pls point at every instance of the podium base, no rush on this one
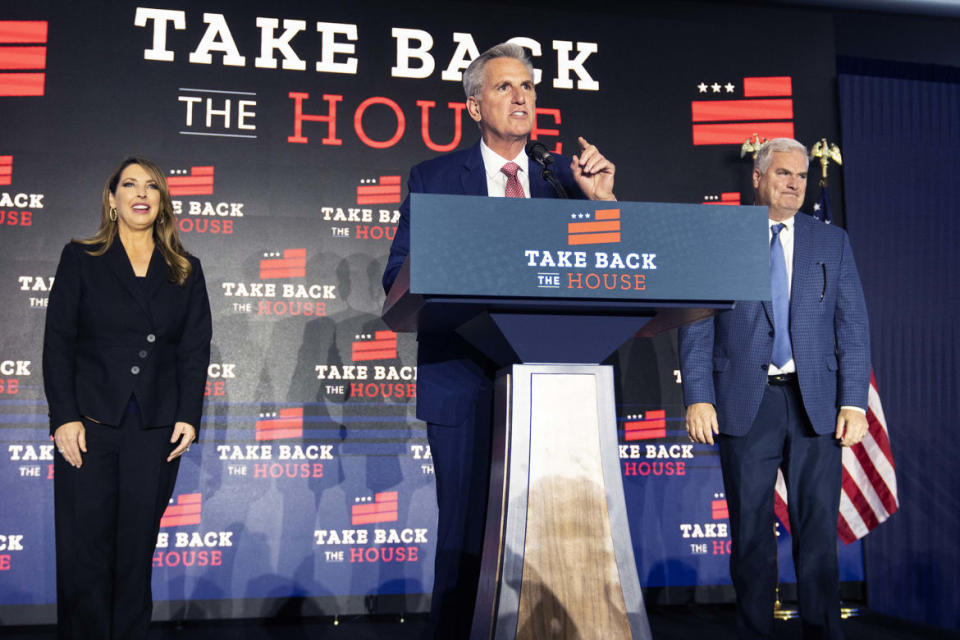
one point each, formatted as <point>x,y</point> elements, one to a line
<point>557,561</point>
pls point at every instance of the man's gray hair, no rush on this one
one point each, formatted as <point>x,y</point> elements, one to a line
<point>788,145</point>
<point>473,75</point>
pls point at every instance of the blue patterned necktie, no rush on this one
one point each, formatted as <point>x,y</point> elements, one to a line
<point>780,288</point>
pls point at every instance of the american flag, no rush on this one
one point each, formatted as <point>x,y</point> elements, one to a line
<point>869,494</point>
<point>821,209</point>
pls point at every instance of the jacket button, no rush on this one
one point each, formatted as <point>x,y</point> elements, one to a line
<point>764,366</point>
<point>151,337</point>
<point>143,353</point>
<point>134,370</point>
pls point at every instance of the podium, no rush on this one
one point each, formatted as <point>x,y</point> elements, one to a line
<point>547,289</point>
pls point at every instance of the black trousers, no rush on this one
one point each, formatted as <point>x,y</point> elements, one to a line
<point>782,435</point>
<point>107,517</point>
<point>461,461</point>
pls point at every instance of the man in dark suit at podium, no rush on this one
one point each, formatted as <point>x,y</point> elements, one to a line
<point>784,384</point>
<point>454,382</point>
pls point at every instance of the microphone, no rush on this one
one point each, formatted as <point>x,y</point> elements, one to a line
<point>539,154</point>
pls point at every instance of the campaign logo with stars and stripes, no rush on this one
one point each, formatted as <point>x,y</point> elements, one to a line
<point>649,425</point>
<point>727,198</point>
<point>6,170</point>
<point>290,263</point>
<point>383,508</point>
<point>23,57</point>
<point>385,190</point>
<point>765,109</point>
<point>196,182</point>
<point>381,345</point>
<point>279,425</point>
<point>718,507</point>
<point>187,510</point>
<point>600,227</point>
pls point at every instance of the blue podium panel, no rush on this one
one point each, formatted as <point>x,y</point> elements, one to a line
<point>507,247</point>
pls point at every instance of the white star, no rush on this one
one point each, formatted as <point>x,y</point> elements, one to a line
<point>715,87</point>
<point>702,87</point>
<point>816,206</point>
<point>729,87</point>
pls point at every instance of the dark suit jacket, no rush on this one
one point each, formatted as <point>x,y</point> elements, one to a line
<point>448,378</point>
<point>724,359</point>
<point>110,335</point>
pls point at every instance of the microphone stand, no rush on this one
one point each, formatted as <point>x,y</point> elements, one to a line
<point>547,175</point>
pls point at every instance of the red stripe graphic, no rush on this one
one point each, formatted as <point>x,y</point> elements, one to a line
<point>23,31</point>
<point>384,508</point>
<point>288,423</point>
<point>726,198</point>
<point>736,133</point>
<point>23,57</point>
<point>382,346</point>
<point>387,191</point>
<point>198,183</point>
<point>187,511</point>
<point>602,229</point>
<point>765,87</point>
<point>719,509</point>
<point>21,84</point>
<point>653,425</point>
<point>293,264</point>
<point>712,111</point>
<point>6,170</point>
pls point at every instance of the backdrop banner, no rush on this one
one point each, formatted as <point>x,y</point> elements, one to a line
<point>287,130</point>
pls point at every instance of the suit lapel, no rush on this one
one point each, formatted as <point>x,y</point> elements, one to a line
<point>802,256</point>
<point>473,178</point>
<point>156,274</point>
<point>121,268</point>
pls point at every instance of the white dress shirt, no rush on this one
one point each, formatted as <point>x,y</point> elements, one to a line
<point>496,179</point>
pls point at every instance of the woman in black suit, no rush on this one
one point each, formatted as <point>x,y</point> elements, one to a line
<point>125,354</point>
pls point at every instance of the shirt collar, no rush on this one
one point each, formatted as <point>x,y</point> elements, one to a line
<point>788,223</point>
<point>493,161</point>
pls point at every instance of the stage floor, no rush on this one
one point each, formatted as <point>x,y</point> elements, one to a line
<point>667,623</point>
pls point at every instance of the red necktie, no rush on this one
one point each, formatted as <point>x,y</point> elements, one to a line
<point>514,188</point>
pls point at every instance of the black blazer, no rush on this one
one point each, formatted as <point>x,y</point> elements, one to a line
<point>110,335</point>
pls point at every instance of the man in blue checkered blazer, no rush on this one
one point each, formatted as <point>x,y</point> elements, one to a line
<point>787,399</point>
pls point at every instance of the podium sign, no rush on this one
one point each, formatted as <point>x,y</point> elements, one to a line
<point>581,249</point>
<point>557,285</point>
